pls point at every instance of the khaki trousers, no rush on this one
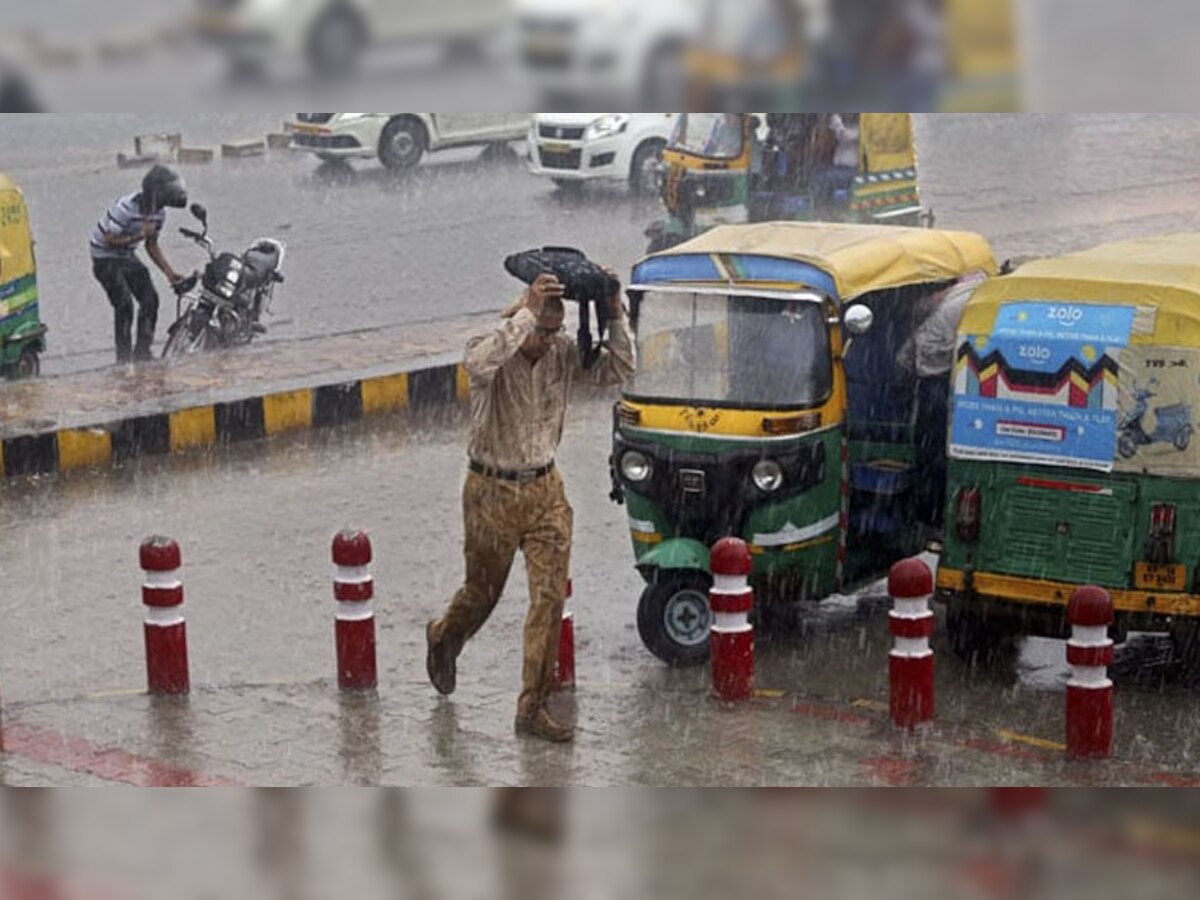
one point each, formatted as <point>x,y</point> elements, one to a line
<point>499,518</point>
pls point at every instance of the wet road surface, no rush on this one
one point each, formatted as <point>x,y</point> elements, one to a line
<point>255,523</point>
<point>367,248</point>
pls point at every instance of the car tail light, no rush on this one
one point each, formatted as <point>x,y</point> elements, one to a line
<point>967,514</point>
<point>1160,542</point>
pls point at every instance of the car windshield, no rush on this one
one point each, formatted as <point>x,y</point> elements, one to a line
<point>716,135</point>
<point>732,351</point>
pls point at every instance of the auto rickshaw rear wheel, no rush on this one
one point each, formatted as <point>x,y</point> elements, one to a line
<point>1185,641</point>
<point>673,617</point>
<point>28,364</point>
<point>976,638</point>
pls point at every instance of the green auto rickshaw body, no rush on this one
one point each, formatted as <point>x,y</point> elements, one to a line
<point>749,414</point>
<point>1072,455</point>
<point>22,334</point>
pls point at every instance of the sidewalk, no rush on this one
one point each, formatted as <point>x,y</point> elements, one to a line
<point>111,415</point>
<point>633,735</point>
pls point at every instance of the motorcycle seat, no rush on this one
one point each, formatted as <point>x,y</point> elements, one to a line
<point>260,261</point>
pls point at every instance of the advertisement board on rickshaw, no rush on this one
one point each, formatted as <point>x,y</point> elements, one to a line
<point>22,335</point>
<point>1072,451</point>
<point>731,168</point>
<point>769,403</point>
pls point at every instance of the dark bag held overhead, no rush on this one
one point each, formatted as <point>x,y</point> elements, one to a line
<point>584,283</point>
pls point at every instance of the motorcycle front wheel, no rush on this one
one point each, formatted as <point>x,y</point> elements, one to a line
<point>188,338</point>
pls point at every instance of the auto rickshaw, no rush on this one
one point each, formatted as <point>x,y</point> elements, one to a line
<point>22,335</point>
<point>943,56</point>
<point>730,168</point>
<point>768,403</point>
<point>1071,451</point>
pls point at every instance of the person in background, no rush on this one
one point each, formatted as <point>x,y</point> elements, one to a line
<point>132,220</point>
<point>929,355</point>
<point>839,174</point>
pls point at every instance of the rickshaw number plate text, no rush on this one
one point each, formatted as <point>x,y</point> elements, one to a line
<point>1151,576</point>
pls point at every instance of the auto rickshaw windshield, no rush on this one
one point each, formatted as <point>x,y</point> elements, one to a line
<point>715,135</point>
<point>732,351</point>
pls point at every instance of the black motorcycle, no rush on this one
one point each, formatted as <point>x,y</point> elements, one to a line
<point>234,291</point>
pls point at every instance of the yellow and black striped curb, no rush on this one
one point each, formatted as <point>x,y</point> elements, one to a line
<point>324,406</point>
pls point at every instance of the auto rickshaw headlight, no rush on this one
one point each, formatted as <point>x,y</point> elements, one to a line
<point>767,475</point>
<point>635,466</point>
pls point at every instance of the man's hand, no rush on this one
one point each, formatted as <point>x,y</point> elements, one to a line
<point>616,310</point>
<point>544,287</point>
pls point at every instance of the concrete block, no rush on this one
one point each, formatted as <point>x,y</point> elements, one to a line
<point>243,149</point>
<point>125,161</point>
<point>279,141</point>
<point>194,156</point>
<point>164,145</point>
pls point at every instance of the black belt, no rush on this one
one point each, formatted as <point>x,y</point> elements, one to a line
<point>509,474</point>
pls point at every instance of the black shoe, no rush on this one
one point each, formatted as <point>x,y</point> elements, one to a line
<point>440,663</point>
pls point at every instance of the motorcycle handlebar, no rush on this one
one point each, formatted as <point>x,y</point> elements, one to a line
<point>193,235</point>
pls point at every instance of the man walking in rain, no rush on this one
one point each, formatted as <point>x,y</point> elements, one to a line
<point>513,498</point>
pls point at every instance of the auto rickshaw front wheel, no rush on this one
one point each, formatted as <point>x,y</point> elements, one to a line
<point>673,617</point>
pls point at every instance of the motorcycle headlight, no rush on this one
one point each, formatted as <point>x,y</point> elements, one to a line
<point>607,125</point>
<point>233,277</point>
<point>767,475</point>
<point>635,466</point>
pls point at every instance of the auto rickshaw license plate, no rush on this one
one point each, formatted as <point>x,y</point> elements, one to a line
<point>1157,577</point>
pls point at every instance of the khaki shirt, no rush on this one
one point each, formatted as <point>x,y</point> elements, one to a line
<point>517,407</point>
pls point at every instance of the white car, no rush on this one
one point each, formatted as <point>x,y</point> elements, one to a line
<point>331,35</point>
<point>572,148</point>
<point>592,51</point>
<point>399,140</point>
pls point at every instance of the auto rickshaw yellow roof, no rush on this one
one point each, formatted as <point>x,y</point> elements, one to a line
<point>859,258</point>
<point>6,183</point>
<point>1162,272</point>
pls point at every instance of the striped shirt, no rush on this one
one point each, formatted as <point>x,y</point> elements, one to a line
<point>123,219</point>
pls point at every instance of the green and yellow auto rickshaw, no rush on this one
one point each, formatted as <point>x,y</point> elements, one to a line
<point>769,403</point>
<point>1073,457</point>
<point>731,168</point>
<point>22,335</point>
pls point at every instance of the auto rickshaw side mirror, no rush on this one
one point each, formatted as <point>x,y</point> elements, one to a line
<point>858,319</point>
<point>200,213</point>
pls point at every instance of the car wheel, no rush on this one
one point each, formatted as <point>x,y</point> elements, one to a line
<point>336,42</point>
<point>643,172</point>
<point>403,143</point>
<point>673,617</point>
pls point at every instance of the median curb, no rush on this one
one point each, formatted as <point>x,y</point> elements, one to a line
<point>110,416</point>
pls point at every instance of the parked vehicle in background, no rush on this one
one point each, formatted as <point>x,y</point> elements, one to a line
<point>399,140</point>
<point>572,148</point>
<point>577,53</point>
<point>332,35</point>
<point>22,334</point>
<point>223,306</point>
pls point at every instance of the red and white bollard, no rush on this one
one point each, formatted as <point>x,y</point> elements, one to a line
<point>731,639</point>
<point>354,590</point>
<point>164,626</point>
<point>564,668</point>
<point>1089,690</point>
<point>910,662</point>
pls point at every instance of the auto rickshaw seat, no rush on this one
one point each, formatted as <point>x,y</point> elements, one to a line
<point>887,477</point>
